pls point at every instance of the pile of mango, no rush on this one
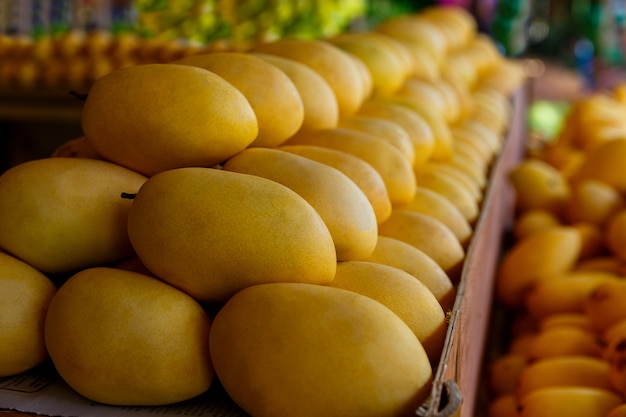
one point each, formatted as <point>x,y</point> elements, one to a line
<point>289,221</point>
<point>561,283</point>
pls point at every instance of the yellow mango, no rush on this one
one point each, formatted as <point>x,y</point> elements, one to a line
<point>63,214</point>
<point>434,204</point>
<point>336,66</point>
<point>342,205</point>
<point>167,116</point>
<point>363,174</point>
<point>271,93</point>
<point>409,298</point>
<point>402,255</point>
<point>317,351</point>
<point>123,338</point>
<point>430,236</point>
<point>540,255</point>
<point>321,110</point>
<point>24,297</point>
<point>396,171</point>
<point>212,232</point>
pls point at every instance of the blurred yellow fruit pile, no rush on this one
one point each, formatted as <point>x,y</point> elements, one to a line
<point>562,280</point>
<point>291,220</point>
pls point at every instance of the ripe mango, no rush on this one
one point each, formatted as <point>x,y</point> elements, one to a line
<point>406,296</point>
<point>212,232</point>
<point>123,338</point>
<point>271,93</point>
<point>288,349</point>
<point>64,214</point>
<point>429,235</point>
<point>363,174</point>
<point>390,163</point>
<point>24,297</point>
<point>343,206</point>
<point>154,117</point>
<point>337,67</point>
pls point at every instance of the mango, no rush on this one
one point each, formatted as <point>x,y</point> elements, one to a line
<point>406,296</point>
<point>390,163</point>
<point>271,93</point>
<point>154,117</point>
<point>429,235</point>
<point>315,351</point>
<point>24,297</point>
<point>64,214</point>
<point>212,232</point>
<point>343,206</point>
<point>123,338</point>
<point>363,174</point>
<point>336,66</point>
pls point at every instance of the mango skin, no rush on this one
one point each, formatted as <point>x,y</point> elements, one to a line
<point>123,338</point>
<point>211,233</point>
<point>154,117</point>
<point>24,297</point>
<point>290,349</point>
<point>343,206</point>
<point>64,214</point>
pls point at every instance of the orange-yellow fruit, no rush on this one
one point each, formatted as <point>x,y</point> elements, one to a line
<point>502,406</point>
<point>24,297</point>
<point>539,256</point>
<point>393,167</point>
<point>564,341</point>
<point>605,306</point>
<point>321,110</point>
<point>592,240</point>
<point>386,65</point>
<point>194,118</point>
<point>419,131</point>
<point>212,232</point>
<point>503,373</point>
<point>568,370</point>
<point>456,174</point>
<point>533,220</point>
<point>336,66</point>
<point>452,189</point>
<point>423,90</point>
<point>570,401</point>
<point>538,185</point>
<point>563,293</point>
<point>615,234</point>
<point>592,201</point>
<point>273,334</point>
<point>443,141</point>
<point>63,214</point>
<point>434,204</point>
<point>419,31</point>
<point>106,325</point>
<point>402,255</point>
<point>387,129</point>
<point>605,162</point>
<point>407,297</point>
<point>343,206</point>
<point>76,148</point>
<point>363,174</point>
<point>430,236</point>
<point>271,93</point>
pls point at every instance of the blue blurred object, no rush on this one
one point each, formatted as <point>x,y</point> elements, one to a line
<point>584,53</point>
